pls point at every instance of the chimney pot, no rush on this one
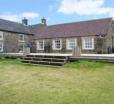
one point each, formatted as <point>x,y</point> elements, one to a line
<point>25,21</point>
<point>43,20</point>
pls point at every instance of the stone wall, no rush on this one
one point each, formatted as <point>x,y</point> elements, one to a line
<point>65,50</point>
<point>11,42</point>
<point>109,38</point>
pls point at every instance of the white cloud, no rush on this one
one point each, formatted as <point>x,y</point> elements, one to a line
<point>85,7</point>
<point>11,17</point>
<point>18,17</point>
<point>30,15</point>
<point>111,13</point>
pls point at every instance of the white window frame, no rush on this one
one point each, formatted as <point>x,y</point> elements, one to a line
<point>23,38</point>
<point>38,44</point>
<point>22,45</point>
<point>2,46</point>
<point>83,43</point>
<point>53,46</point>
<point>1,33</point>
<point>68,43</point>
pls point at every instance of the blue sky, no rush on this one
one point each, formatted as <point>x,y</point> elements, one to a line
<point>56,11</point>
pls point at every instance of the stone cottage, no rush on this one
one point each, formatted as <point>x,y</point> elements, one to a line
<point>14,37</point>
<point>94,36</point>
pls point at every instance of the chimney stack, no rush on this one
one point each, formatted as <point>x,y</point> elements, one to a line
<point>43,21</point>
<point>25,21</point>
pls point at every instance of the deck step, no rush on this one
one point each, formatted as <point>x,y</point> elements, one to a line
<point>46,60</point>
<point>43,62</point>
<point>46,56</point>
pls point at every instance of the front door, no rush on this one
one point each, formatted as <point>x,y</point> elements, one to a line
<point>47,48</point>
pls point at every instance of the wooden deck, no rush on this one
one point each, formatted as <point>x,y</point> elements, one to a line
<point>97,55</point>
<point>49,58</point>
<point>59,54</point>
<point>50,54</point>
<point>11,55</point>
<point>94,58</point>
<point>17,55</point>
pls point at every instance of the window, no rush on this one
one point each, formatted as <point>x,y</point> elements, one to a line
<point>21,47</point>
<point>57,44</point>
<point>1,35</point>
<point>40,45</point>
<point>21,37</point>
<point>71,43</point>
<point>88,43</point>
<point>1,46</point>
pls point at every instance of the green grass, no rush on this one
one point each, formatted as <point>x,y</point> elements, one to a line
<point>76,83</point>
<point>87,65</point>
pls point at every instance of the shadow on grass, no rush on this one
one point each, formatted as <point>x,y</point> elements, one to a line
<point>89,65</point>
<point>10,61</point>
<point>18,62</point>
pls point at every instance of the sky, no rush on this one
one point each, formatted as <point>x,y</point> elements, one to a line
<point>55,11</point>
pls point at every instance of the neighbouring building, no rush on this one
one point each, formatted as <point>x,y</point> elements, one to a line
<point>14,37</point>
<point>94,36</point>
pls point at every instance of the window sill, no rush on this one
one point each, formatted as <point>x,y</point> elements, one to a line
<point>40,49</point>
<point>88,49</point>
<point>57,49</point>
<point>21,41</point>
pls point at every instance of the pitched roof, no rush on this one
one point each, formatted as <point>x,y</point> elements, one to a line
<point>35,28</point>
<point>83,28</point>
<point>10,26</point>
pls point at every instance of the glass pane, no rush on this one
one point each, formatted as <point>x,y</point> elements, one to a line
<point>88,43</point>
<point>71,43</point>
<point>21,37</point>
<point>41,44</point>
<point>0,36</point>
<point>57,44</point>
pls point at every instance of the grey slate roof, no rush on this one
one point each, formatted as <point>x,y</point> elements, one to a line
<point>10,26</point>
<point>35,28</point>
<point>83,28</point>
<point>41,31</point>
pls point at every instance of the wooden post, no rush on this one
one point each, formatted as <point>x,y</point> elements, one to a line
<point>76,52</point>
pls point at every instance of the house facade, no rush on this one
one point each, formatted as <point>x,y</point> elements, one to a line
<point>94,36</point>
<point>13,36</point>
<point>13,42</point>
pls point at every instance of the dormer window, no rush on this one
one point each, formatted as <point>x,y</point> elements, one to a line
<point>21,37</point>
<point>1,35</point>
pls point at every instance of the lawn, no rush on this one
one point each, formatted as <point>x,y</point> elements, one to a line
<point>75,83</point>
